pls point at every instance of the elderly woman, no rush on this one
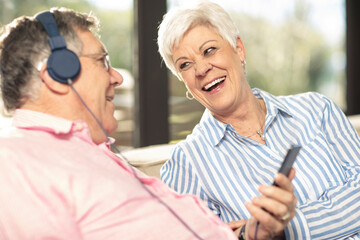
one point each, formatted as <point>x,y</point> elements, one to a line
<point>245,133</point>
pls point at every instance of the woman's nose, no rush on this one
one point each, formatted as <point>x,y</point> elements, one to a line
<point>202,68</point>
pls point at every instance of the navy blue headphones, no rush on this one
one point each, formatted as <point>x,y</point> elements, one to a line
<point>63,64</point>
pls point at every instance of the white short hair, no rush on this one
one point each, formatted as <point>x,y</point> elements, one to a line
<point>181,19</point>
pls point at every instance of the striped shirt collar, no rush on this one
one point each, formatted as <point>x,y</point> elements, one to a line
<point>273,106</point>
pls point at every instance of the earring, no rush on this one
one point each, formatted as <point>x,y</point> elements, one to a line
<point>191,97</point>
<point>244,66</point>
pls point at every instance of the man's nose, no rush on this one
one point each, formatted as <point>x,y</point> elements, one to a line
<point>116,79</point>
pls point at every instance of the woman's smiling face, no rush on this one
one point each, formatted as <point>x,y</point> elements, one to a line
<point>211,69</point>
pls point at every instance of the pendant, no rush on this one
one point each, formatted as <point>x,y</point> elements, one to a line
<point>260,134</point>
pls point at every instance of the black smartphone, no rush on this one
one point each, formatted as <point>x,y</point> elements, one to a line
<point>289,160</point>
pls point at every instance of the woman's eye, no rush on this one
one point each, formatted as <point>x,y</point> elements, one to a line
<point>184,65</point>
<point>209,50</point>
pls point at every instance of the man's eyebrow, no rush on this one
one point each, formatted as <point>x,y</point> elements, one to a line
<point>99,51</point>
<point>103,50</point>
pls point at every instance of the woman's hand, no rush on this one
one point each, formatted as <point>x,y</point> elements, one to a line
<point>273,210</point>
<point>236,226</point>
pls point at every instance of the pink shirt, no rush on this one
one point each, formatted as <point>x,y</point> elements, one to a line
<point>55,183</point>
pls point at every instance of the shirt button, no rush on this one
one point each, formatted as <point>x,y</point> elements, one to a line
<point>79,126</point>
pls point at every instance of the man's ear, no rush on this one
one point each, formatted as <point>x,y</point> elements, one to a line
<point>51,84</point>
<point>240,49</point>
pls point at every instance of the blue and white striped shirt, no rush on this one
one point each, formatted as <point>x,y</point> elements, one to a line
<point>225,169</point>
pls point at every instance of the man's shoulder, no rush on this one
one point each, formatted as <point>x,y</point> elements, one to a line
<point>11,142</point>
<point>9,133</point>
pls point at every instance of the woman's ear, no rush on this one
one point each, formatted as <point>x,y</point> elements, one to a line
<point>51,84</point>
<point>240,49</point>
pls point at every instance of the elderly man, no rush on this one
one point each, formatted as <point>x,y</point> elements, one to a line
<point>58,177</point>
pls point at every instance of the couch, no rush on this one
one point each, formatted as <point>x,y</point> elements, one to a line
<point>150,159</point>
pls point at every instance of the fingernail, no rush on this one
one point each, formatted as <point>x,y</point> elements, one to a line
<point>255,200</point>
<point>264,189</point>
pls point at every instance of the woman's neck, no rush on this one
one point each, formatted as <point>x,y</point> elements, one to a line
<point>248,119</point>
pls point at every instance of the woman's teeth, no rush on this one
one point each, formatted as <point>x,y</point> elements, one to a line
<point>213,83</point>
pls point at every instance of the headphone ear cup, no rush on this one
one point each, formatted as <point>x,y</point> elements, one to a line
<point>63,64</point>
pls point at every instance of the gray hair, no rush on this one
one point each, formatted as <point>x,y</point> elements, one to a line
<point>24,44</point>
<point>181,19</point>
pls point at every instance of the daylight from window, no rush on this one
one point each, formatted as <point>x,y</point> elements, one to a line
<point>292,46</point>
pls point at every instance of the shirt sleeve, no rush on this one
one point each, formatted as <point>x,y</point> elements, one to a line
<point>179,174</point>
<point>336,213</point>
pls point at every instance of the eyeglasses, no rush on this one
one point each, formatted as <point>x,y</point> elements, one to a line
<point>100,57</point>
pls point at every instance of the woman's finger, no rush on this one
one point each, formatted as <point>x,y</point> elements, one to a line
<point>236,224</point>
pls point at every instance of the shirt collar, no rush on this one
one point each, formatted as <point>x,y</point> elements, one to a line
<point>273,104</point>
<point>28,119</point>
<point>215,130</point>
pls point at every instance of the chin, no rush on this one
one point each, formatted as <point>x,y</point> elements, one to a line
<point>111,126</point>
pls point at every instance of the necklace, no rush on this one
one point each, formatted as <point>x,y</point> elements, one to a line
<point>259,131</point>
<point>262,135</point>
